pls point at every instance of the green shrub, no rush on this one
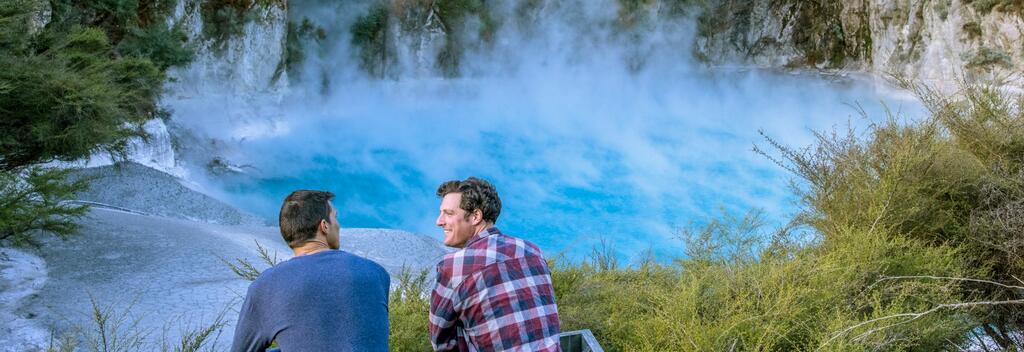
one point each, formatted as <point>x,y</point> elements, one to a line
<point>33,201</point>
<point>72,103</point>
<point>164,46</point>
<point>15,21</point>
<point>226,19</point>
<point>370,36</point>
<point>72,89</point>
<point>986,6</point>
<point>987,57</point>
<point>941,7</point>
<point>408,307</point>
<point>973,29</point>
<point>299,38</point>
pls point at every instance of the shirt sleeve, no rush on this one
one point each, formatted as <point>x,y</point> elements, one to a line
<point>443,315</point>
<point>248,337</point>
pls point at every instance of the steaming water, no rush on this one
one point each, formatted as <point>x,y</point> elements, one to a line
<point>581,150</point>
<point>588,159</point>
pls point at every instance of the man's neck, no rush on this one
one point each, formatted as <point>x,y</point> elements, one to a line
<point>310,247</point>
<point>483,227</point>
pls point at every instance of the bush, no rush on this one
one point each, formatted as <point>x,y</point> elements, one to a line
<point>300,36</point>
<point>165,46</point>
<point>779,298</point>
<point>74,102</point>
<point>84,84</point>
<point>225,19</point>
<point>408,307</point>
<point>34,202</point>
<point>987,57</point>
<point>370,36</point>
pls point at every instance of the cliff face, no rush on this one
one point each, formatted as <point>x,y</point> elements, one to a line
<point>239,65</point>
<point>232,86</point>
<point>240,74</point>
<point>935,42</point>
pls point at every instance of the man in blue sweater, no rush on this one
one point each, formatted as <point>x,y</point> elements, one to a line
<point>323,299</point>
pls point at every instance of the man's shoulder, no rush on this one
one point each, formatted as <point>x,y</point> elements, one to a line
<point>356,260</point>
<point>512,247</point>
<point>330,261</point>
<point>495,249</point>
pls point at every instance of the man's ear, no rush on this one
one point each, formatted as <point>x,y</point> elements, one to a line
<point>324,226</point>
<point>478,216</point>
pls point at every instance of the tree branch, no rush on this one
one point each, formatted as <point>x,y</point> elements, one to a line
<point>994,283</point>
<point>913,317</point>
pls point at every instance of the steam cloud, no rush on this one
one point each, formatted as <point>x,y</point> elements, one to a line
<point>589,133</point>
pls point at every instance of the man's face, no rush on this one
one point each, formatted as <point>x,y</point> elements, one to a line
<point>457,228</point>
<point>333,229</point>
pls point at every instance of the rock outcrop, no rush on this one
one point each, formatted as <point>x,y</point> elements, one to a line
<point>232,86</point>
<point>935,42</point>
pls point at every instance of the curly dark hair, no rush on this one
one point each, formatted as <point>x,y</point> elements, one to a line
<point>476,194</point>
<point>301,213</point>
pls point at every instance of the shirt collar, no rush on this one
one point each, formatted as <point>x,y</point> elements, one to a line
<point>493,230</point>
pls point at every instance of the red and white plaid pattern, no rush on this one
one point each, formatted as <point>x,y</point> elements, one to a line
<point>494,295</point>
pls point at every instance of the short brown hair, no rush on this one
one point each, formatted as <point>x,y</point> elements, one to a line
<point>301,213</point>
<point>476,194</point>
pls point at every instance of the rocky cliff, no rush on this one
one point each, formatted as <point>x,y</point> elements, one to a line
<point>937,42</point>
<point>249,53</point>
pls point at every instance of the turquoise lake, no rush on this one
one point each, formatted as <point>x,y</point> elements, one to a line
<point>578,159</point>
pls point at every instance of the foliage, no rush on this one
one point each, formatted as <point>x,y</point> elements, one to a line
<point>15,20</point>
<point>199,338</point>
<point>941,7</point>
<point>370,35</point>
<point>408,306</point>
<point>246,270</point>
<point>72,100</point>
<point>118,19</point>
<point>84,83</point>
<point>988,126</point>
<point>777,299</point>
<point>987,57</point>
<point>225,19</point>
<point>987,6</point>
<point>69,91</point>
<point>936,182</point>
<point>117,329</point>
<point>465,23</point>
<point>114,331</point>
<point>34,202</point>
<point>909,241</point>
<point>161,44</point>
<point>972,29</point>
<point>298,39</point>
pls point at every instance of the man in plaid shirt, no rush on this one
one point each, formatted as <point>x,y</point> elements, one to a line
<point>495,293</point>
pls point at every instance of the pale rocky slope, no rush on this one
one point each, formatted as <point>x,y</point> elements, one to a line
<point>156,252</point>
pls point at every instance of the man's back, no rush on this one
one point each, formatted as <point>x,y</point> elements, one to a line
<point>327,301</point>
<point>494,294</point>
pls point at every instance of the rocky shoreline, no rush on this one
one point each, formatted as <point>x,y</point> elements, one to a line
<point>154,254</point>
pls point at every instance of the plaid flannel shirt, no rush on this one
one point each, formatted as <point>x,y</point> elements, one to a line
<point>494,295</point>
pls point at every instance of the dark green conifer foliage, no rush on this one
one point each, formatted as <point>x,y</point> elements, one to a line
<point>35,202</point>
<point>370,35</point>
<point>84,83</point>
